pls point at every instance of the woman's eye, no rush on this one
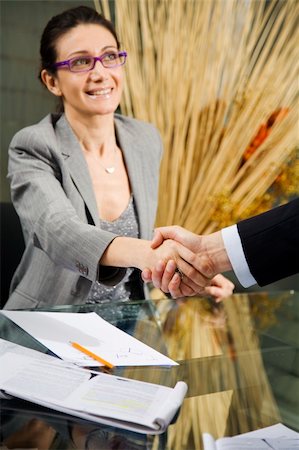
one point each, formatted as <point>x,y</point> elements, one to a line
<point>81,62</point>
<point>110,57</point>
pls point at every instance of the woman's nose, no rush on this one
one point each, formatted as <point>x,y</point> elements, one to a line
<point>98,70</point>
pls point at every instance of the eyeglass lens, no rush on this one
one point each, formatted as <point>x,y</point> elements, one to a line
<point>82,63</point>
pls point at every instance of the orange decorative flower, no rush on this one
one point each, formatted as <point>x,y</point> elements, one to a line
<point>264,132</point>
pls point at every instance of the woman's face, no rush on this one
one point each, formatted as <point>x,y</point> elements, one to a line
<point>97,92</point>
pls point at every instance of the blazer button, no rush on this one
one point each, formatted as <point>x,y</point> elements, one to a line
<point>82,269</point>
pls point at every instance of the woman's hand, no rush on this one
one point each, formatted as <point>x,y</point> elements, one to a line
<point>163,272</point>
<point>139,253</point>
<point>165,277</point>
<point>187,283</point>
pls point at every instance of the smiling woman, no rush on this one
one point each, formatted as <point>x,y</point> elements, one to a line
<point>84,181</point>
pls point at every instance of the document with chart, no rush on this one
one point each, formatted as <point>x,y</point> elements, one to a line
<point>274,437</point>
<point>58,331</point>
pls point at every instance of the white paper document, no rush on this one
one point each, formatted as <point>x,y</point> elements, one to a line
<point>275,437</point>
<point>56,331</point>
<point>103,398</point>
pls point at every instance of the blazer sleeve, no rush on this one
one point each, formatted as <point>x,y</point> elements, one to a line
<point>52,221</point>
<point>271,243</point>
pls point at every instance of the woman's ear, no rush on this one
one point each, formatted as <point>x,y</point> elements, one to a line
<point>51,82</point>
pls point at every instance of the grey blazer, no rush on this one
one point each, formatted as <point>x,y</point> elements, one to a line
<point>52,192</point>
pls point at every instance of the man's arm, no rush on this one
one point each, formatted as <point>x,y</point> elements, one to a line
<point>268,250</point>
<point>270,242</point>
<point>235,253</point>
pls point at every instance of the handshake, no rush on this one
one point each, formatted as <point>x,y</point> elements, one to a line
<point>261,249</point>
<point>196,267</point>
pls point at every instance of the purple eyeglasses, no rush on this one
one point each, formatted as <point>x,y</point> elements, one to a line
<point>86,63</point>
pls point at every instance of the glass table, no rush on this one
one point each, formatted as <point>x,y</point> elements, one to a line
<point>239,358</point>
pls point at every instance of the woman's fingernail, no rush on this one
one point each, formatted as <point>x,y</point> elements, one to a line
<point>177,278</point>
<point>160,266</point>
<point>170,266</point>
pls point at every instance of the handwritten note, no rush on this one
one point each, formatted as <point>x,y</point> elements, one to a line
<point>57,330</point>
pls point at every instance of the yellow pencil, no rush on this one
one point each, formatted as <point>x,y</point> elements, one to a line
<point>92,355</point>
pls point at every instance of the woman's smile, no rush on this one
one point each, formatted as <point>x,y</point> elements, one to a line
<point>94,92</point>
<point>100,93</point>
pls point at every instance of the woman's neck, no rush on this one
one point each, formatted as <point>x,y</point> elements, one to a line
<point>96,134</point>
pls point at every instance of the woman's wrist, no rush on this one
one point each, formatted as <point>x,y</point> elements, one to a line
<point>127,252</point>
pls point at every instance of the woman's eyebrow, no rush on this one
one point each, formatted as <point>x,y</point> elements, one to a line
<point>85,52</point>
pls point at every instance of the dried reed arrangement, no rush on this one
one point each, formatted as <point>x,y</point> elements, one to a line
<point>235,395</point>
<point>229,392</point>
<point>209,74</point>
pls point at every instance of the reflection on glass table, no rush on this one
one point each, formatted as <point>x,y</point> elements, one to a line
<point>239,359</point>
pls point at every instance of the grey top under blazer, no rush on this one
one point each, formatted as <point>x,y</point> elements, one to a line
<point>52,192</point>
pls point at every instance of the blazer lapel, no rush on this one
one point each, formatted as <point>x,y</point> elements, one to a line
<point>73,155</point>
<point>134,160</point>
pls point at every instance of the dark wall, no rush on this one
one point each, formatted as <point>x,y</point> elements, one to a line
<point>24,100</point>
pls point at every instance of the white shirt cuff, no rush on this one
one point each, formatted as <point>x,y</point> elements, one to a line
<point>234,249</point>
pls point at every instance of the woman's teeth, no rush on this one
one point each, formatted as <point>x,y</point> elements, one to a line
<point>100,92</point>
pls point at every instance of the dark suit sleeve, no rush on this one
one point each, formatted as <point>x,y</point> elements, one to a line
<point>271,243</point>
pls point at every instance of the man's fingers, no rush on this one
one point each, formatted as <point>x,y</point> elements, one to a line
<point>192,277</point>
<point>187,291</point>
<point>221,287</point>
<point>217,293</point>
<point>146,275</point>
<point>195,266</point>
<point>178,289</point>
<point>191,288</point>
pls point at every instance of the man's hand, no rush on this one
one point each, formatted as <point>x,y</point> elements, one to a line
<point>171,256</point>
<point>206,257</point>
<point>165,277</point>
<point>190,240</point>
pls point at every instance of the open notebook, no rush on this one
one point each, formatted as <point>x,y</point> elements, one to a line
<point>101,398</point>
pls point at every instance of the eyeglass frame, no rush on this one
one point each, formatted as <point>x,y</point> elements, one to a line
<point>67,62</point>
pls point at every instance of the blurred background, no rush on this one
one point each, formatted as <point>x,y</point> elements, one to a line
<point>217,78</point>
